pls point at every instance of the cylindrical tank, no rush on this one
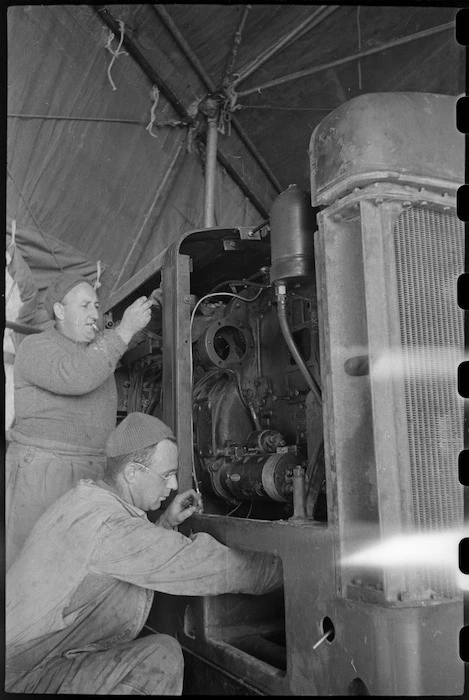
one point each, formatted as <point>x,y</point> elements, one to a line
<point>292,223</point>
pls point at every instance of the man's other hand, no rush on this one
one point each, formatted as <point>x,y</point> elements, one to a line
<point>182,507</point>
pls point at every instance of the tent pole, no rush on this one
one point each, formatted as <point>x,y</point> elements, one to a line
<point>173,30</point>
<point>210,171</point>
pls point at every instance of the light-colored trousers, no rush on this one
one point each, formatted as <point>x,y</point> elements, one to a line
<point>34,479</point>
<point>151,665</point>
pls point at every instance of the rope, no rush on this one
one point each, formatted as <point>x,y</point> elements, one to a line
<point>13,231</point>
<point>155,95</point>
<point>191,136</point>
<point>115,53</point>
<point>34,219</point>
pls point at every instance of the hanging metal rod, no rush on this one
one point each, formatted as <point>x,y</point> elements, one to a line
<point>309,23</point>
<point>348,59</point>
<point>179,108</point>
<point>235,47</point>
<point>172,28</point>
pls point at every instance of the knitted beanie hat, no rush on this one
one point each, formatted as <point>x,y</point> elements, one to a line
<point>58,288</point>
<point>136,431</point>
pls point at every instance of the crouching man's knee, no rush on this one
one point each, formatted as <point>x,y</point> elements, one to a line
<point>166,665</point>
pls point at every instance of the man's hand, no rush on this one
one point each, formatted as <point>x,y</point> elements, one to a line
<point>157,296</point>
<point>136,316</point>
<point>182,507</point>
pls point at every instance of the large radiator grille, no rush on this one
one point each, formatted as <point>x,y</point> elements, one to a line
<point>429,259</point>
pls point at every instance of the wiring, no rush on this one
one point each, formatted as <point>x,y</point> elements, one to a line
<point>235,508</point>
<point>245,283</point>
<point>250,509</point>
<point>220,294</point>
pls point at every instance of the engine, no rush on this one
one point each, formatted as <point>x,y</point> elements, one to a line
<point>257,427</point>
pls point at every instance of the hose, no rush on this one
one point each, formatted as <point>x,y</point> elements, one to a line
<point>281,293</point>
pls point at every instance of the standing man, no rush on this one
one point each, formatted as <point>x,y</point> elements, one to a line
<point>65,402</point>
<point>81,589</point>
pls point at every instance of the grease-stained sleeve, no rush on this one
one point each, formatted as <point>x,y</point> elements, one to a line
<point>61,366</point>
<point>147,555</point>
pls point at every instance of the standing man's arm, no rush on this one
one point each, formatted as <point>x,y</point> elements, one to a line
<point>73,370</point>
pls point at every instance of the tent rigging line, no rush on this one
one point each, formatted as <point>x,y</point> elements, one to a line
<point>349,59</point>
<point>312,21</point>
<point>34,219</point>
<point>78,119</point>
<point>171,122</point>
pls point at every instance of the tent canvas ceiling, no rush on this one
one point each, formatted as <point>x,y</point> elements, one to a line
<point>106,138</point>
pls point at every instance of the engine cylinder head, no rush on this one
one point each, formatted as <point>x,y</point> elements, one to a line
<point>292,223</point>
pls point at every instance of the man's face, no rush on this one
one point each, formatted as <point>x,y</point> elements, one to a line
<point>80,310</point>
<point>152,487</point>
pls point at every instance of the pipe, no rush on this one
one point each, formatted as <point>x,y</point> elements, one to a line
<point>254,415</point>
<point>348,59</point>
<point>299,499</point>
<point>210,172</point>
<point>281,293</point>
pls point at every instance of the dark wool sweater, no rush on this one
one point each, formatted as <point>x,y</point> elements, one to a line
<point>65,391</point>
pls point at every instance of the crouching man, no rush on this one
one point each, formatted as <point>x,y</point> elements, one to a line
<point>80,591</point>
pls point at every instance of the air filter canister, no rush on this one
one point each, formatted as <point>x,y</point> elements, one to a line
<point>292,223</point>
